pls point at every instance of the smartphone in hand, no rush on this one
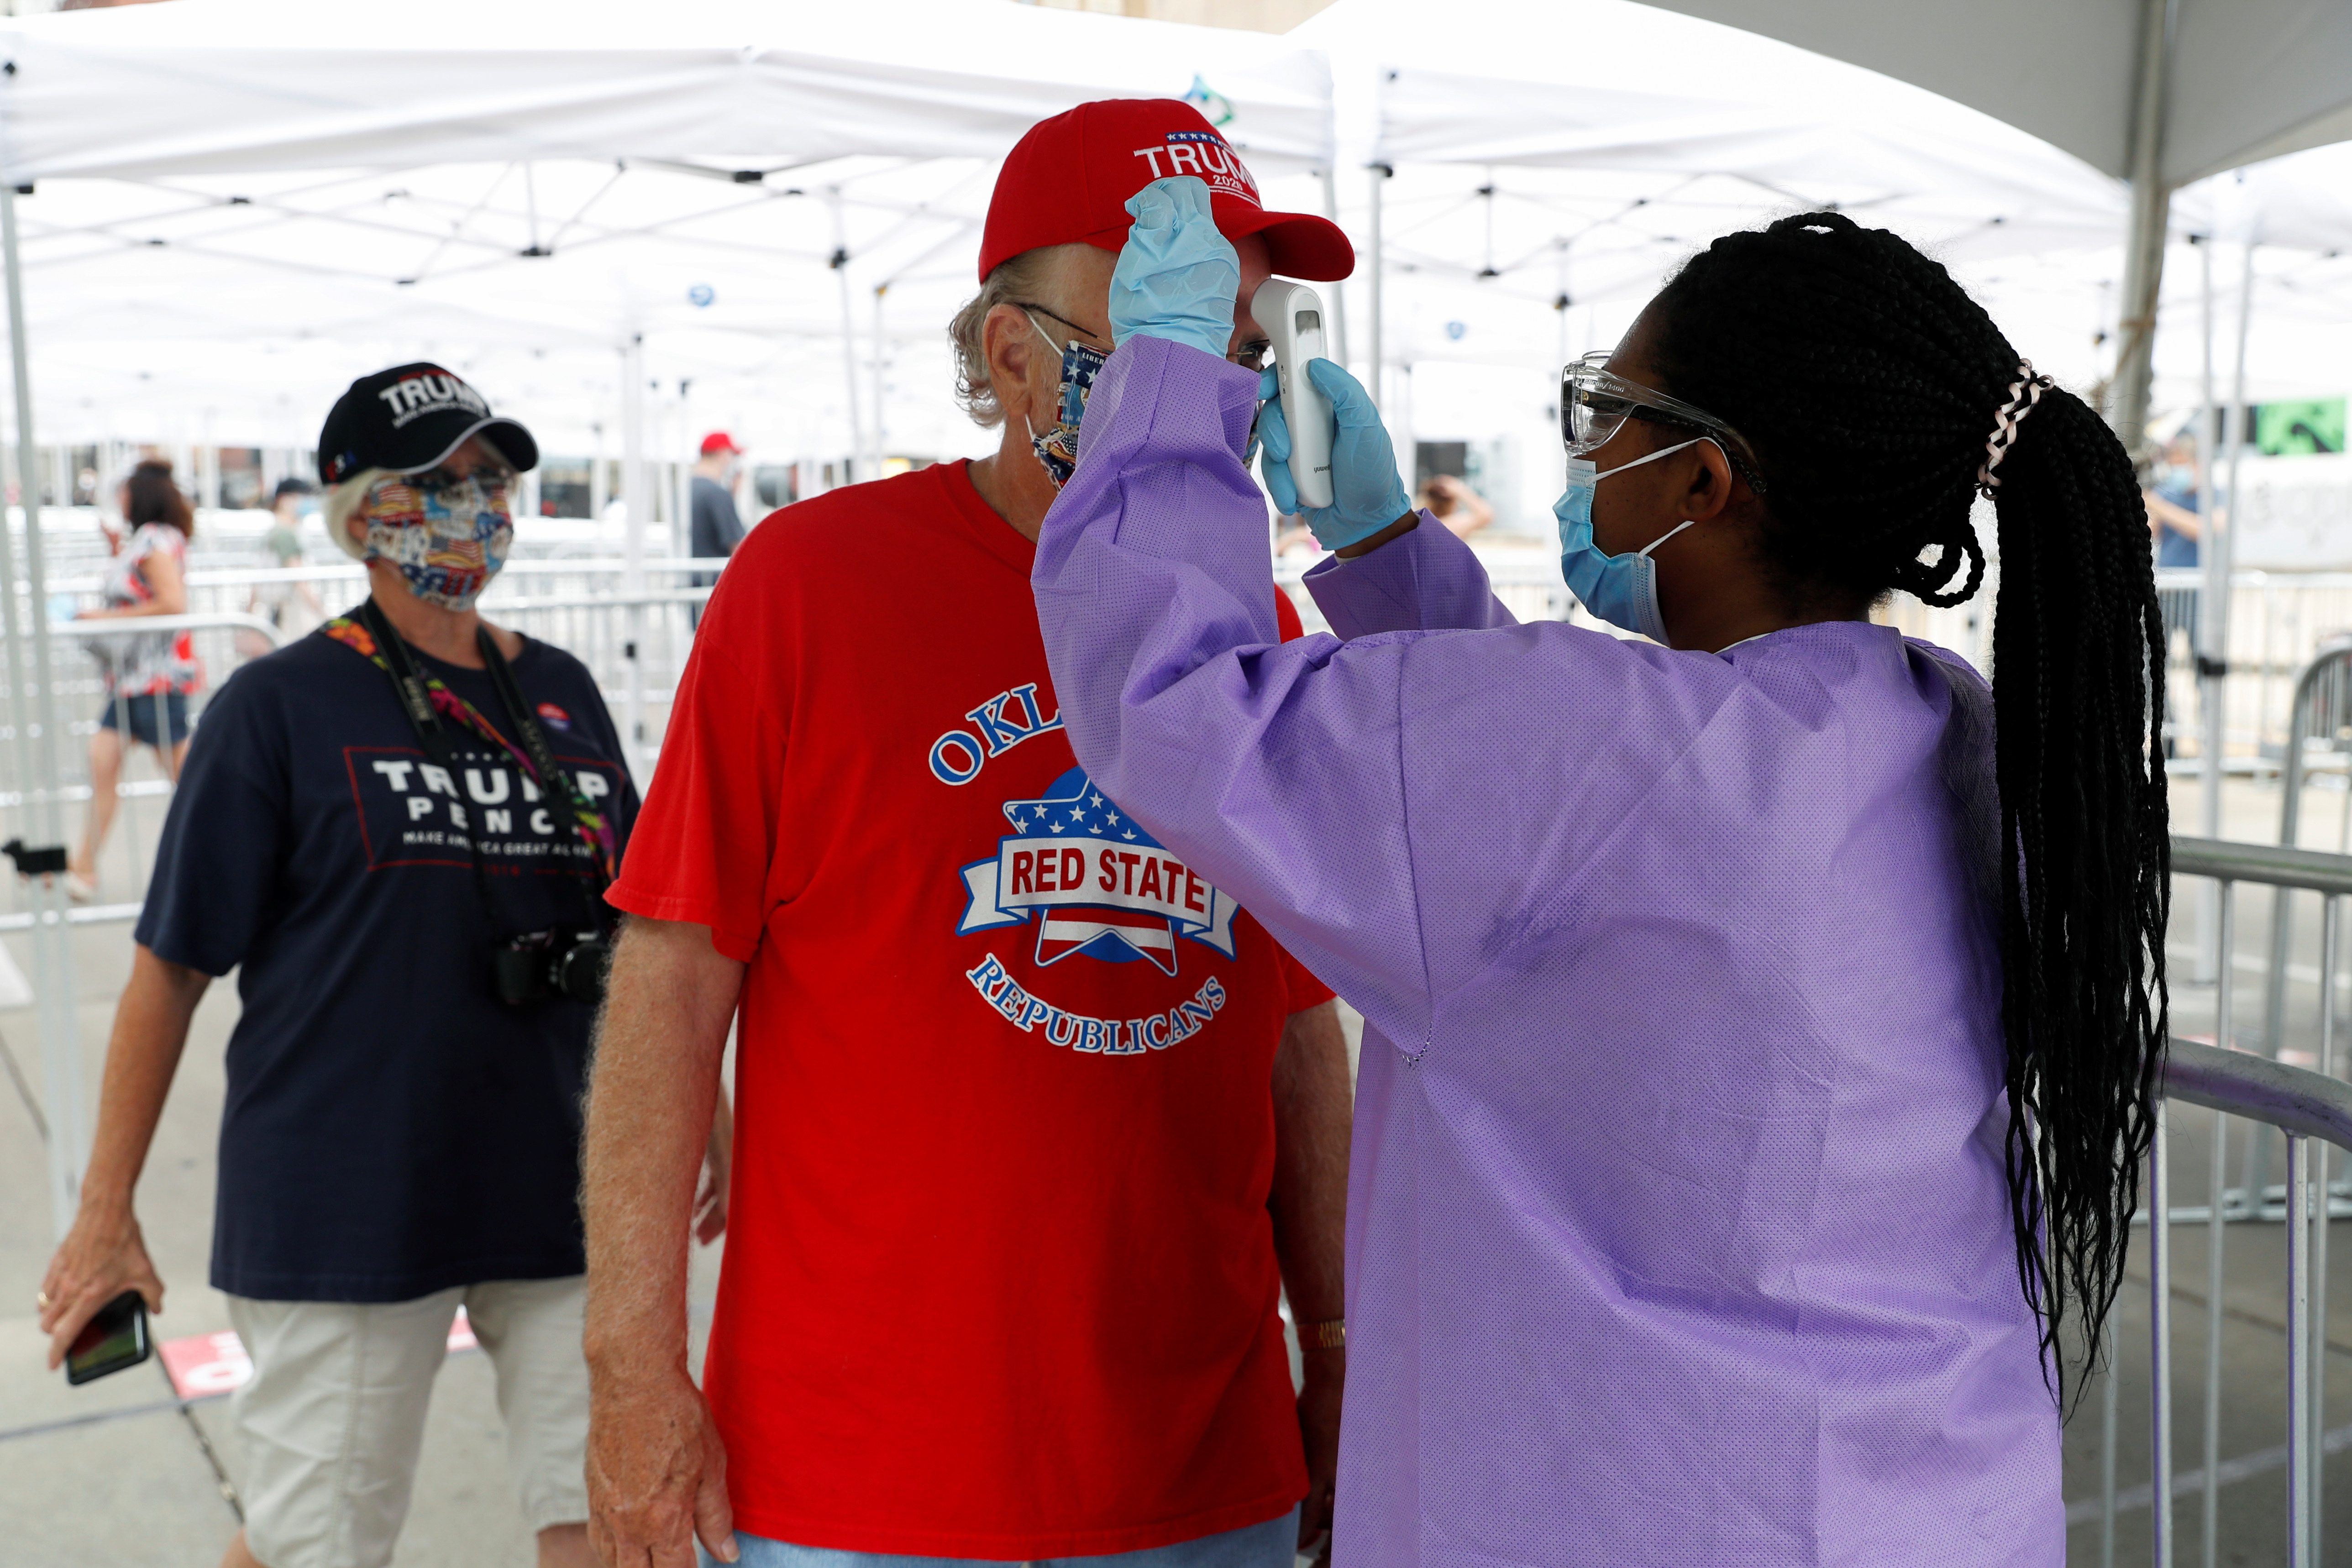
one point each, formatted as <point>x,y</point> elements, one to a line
<point>115,1337</point>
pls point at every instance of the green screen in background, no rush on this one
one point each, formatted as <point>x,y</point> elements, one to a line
<point>2299,429</point>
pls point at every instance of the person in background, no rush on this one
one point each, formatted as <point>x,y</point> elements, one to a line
<point>149,676</point>
<point>1452,502</point>
<point>2172,496</point>
<point>393,886</point>
<point>716,528</point>
<point>1037,1125</point>
<point>2175,486</point>
<point>294,608</point>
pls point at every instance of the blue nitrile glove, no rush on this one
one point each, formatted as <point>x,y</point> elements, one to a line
<point>1366,494</point>
<point>1176,275</point>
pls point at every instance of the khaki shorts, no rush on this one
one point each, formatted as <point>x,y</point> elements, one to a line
<point>334,1415</point>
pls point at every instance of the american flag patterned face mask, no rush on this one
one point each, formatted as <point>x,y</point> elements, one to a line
<point>448,535</point>
<point>1057,448</point>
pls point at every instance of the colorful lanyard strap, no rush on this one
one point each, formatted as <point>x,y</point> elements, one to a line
<point>595,832</point>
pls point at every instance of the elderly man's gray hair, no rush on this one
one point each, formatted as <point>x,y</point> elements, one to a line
<point>1034,277</point>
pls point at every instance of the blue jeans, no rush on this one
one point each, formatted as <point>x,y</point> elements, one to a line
<point>1274,1544</point>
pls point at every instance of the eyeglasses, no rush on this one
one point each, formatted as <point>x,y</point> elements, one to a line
<point>492,477</point>
<point>1595,402</point>
<point>1064,320</point>
<point>450,473</point>
<point>1250,356</point>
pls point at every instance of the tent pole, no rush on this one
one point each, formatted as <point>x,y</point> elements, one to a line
<point>2151,212</point>
<point>874,465</point>
<point>636,497</point>
<point>2258,1149</point>
<point>1379,171</point>
<point>1408,446</point>
<point>2212,632</point>
<point>1559,305</point>
<point>840,264</point>
<point>53,966</point>
<point>1340,289</point>
<point>680,485</point>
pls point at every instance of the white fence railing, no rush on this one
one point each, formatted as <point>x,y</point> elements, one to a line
<point>2312,1108</point>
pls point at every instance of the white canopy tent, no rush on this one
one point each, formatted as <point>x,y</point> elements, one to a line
<point>258,172</point>
<point>238,204</point>
<point>1609,140</point>
<point>238,85</point>
<point>2161,92</point>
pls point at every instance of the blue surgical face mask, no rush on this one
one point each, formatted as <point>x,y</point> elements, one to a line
<point>1621,589</point>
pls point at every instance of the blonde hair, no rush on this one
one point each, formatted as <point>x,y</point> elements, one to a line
<point>345,499</point>
<point>1030,277</point>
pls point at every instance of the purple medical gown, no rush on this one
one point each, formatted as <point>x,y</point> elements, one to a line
<point>1677,1229</point>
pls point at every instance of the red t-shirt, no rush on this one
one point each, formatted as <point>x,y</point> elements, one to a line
<point>1000,1278</point>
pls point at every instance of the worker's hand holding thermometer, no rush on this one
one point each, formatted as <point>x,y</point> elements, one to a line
<point>1177,278</point>
<point>1366,494</point>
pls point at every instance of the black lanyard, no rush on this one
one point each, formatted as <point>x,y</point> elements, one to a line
<point>409,683</point>
<point>554,778</point>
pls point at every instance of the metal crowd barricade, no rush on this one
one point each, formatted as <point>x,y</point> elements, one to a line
<point>80,670</point>
<point>2313,1110</point>
<point>594,626</point>
<point>2320,711</point>
<point>633,642</point>
<point>2320,708</point>
<point>634,646</point>
<point>2276,620</point>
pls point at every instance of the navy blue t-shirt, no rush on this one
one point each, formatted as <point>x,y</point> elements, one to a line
<point>391,1129</point>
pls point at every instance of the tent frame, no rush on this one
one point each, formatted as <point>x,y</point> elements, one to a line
<point>37,770</point>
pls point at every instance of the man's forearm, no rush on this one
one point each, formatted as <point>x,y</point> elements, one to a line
<point>669,999</point>
<point>1313,1102</point>
<point>150,1030</point>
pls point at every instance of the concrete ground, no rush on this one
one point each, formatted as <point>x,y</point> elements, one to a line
<point>117,1473</point>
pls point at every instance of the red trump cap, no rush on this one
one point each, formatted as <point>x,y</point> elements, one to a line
<point>719,441</point>
<point>1068,180</point>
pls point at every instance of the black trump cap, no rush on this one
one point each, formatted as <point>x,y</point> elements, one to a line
<point>409,418</point>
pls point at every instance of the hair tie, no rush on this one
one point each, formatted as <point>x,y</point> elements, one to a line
<point>2023,394</point>
<point>1928,581</point>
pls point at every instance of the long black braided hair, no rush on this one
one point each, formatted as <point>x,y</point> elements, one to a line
<point>1868,381</point>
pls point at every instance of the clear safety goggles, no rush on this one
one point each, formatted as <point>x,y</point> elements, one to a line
<point>1595,402</point>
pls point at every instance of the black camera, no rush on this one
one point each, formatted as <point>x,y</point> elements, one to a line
<point>542,965</point>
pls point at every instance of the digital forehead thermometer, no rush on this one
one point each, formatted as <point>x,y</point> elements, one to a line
<point>1292,316</point>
